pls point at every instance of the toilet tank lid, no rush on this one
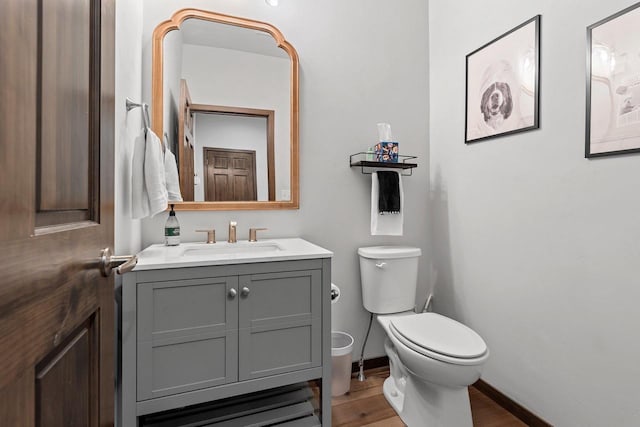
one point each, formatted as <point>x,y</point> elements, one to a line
<point>389,252</point>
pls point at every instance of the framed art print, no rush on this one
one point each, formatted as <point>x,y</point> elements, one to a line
<point>502,84</point>
<point>613,85</point>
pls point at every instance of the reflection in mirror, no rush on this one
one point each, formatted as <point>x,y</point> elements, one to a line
<point>235,146</point>
<point>227,107</point>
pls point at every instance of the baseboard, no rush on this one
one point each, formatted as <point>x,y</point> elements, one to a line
<point>510,405</point>
<point>376,362</point>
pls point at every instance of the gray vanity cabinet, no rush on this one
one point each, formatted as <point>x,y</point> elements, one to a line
<point>192,335</point>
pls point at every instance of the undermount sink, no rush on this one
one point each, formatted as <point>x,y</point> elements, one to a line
<point>224,248</point>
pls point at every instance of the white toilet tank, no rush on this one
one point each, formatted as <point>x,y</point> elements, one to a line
<point>389,276</point>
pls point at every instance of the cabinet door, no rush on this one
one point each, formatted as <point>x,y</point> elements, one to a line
<point>280,323</point>
<point>187,335</point>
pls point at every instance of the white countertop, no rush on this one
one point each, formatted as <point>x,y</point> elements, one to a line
<point>222,253</point>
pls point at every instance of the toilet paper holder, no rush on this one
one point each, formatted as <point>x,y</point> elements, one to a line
<point>335,293</point>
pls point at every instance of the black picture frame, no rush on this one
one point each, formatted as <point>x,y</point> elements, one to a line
<point>502,84</point>
<point>612,125</point>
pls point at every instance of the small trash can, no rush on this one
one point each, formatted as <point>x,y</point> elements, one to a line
<point>341,346</point>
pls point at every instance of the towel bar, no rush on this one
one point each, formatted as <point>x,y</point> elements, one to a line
<point>145,111</point>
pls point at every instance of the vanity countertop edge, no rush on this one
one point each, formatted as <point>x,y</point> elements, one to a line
<point>159,256</point>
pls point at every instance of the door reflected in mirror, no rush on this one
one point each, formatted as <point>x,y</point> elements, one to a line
<point>225,99</point>
<point>235,147</point>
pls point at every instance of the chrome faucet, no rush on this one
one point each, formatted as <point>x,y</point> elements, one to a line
<point>232,232</point>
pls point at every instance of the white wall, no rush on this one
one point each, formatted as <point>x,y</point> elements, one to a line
<point>127,125</point>
<point>234,78</point>
<point>233,132</point>
<point>128,67</point>
<point>362,62</point>
<point>535,247</point>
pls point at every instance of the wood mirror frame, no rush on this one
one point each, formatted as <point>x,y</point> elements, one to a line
<point>157,102</point>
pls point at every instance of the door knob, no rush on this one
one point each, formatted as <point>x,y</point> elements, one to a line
<point>232,293</point>
<point>245,291</point>
<point>122,263</point>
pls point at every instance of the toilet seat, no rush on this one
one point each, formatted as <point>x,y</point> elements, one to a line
<point>440,338</point>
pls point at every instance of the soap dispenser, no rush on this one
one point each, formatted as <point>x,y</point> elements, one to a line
<point>172,230</point>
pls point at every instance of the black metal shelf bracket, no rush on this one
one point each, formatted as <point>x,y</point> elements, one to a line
<point>369,166</point>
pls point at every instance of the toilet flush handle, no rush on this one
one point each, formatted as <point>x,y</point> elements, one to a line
<point>380,264</point>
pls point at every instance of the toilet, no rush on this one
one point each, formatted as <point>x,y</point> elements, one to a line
<point>432,358</point>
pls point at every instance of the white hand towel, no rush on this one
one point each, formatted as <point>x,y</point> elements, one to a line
<point>154,175</point>
<point>387,224</point>
<point>139,197</point>
<point>171,173</point>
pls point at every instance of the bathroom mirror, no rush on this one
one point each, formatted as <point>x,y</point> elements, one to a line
<point>225,102</point>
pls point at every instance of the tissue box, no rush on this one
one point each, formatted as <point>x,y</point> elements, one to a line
<point>386,152</point>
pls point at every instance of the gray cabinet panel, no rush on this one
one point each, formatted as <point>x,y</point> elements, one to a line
<point>280,323</point>
<point>226,270</point>
<point>272,351</point>
<point>190,365</point>
<point>187,336</point>
<point>189,306</point>
<point>277,295</point>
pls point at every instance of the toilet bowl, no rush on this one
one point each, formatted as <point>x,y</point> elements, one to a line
<point>437,349</point>
<point>433,358</point>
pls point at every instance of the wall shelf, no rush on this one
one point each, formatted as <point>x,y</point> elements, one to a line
<point>369,166</point>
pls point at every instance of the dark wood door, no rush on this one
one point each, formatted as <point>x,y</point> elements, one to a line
<point>230,175</point>
<point>56,212</point>
<point>186,144</point>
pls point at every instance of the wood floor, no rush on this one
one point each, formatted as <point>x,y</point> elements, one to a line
<point>365,405</point>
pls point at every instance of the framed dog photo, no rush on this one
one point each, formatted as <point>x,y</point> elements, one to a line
<point>613,85</point>
<point>502,86</point>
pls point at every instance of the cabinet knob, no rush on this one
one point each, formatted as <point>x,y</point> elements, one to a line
<point>232,293</point>
<point>245,291</point>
